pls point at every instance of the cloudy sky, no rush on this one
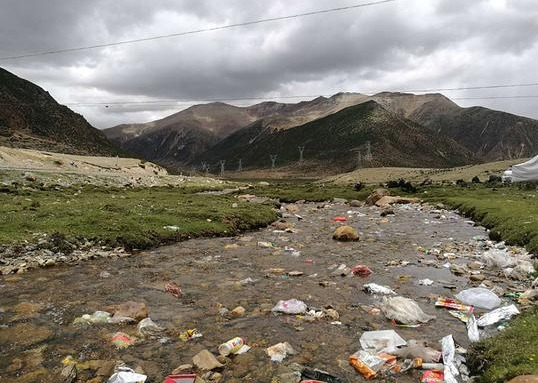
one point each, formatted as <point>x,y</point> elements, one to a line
<point>399,45</point>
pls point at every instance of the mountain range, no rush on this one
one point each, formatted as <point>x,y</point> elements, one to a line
<point>30,118</point>
<point>400,129</point>
<point>334,134</point>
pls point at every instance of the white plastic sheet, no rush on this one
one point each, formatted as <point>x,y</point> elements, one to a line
<point>381,341</point>
<point>498,315</point>
<point>527,171</point>
<point>127,375</point>
<point>291,306</point>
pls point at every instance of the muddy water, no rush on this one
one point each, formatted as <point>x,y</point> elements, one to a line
<point>33,341</point>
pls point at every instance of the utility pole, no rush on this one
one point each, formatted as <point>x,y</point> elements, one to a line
<point>273,160</point>
<point>301,151</point>
<point>204,167</point>
<point>222,162</point>
<point>240,166</point>
<point>193,170</point>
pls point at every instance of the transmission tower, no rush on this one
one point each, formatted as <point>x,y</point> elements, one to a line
<point>204,167</point>
<point>193,170</point>
<point>222,162</point>
<point>240,166</point>
<point>359,159</point>
<point>301,151</point>
<point>368,154</point>
<point>273,160</point>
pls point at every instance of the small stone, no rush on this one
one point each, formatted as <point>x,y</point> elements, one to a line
<point>130,309</point>
<point>477,277</point>
<point>69,373</point>
<point>355,203</point>
<point>183,369</point>
<point>346,233</point>
<point>333,314</point>
<point>239,311</point>
<point>206,361</point>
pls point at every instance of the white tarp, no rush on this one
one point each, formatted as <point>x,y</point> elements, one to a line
<point>527,171</point>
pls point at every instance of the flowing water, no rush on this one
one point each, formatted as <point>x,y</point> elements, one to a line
<point>37,309</point>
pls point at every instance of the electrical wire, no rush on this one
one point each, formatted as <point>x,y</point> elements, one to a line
<point>192,32</point>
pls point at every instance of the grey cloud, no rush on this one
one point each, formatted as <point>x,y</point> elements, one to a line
<point>405,44</point>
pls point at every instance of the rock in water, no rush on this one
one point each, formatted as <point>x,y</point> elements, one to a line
<point>206,361</point>
<point>376,195</point>
<point>130,309</point>
<point>346,233</point>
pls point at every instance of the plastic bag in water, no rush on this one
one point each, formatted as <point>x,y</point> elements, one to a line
<point>291,306</point>
<point>479,297</point>
<point>404,310</point>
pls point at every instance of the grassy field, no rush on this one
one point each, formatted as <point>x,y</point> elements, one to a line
<point>134,218</point>
<point>312,192</point>
<point>510,212</point>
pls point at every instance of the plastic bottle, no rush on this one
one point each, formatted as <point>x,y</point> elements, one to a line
<point>232,346</point>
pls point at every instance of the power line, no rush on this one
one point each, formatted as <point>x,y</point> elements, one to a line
<point>196,31</point>
<point>191,101</point>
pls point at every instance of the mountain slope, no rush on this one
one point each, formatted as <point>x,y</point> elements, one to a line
<point>492,135</point>
<point>30,118</point>
<point>179,138</point>
<point>332,142</point>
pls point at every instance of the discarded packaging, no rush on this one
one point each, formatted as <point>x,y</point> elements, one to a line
<point>339,219</point>
<point>95,318</point>
<point>279,351</point>
<point>453,304</point>
<point>433,377</point>
<point>425,282</point>
<point>498,258</point>
<point>449,355</point>
<point>498,315</point>
<point>181,378</point>
<point>319,376</point>
<point>148,328</point>
<point>373,288</point>
<point>122,340</point>
<point>416,349</point>
<point>479,297</point>
<point>174,289</point>
<point>381,341</point>
<point>366,364</point>
<point>190,334</point>
<point>361,270</point>
<point>291,306</point>
<point>231,346</point>
<point>404,310</point>
<point>126,375</point>
<point>472,329</point>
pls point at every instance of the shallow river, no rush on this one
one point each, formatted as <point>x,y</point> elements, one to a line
<point>38,334</point>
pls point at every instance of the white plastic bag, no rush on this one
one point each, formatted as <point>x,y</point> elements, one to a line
<point>373,288</point>
<point>498,258</point>
<point>404,310</point>
<point>415,349</point>
<point>479,297</point>
<point>449,356</point>
<point>279,351</point>
<point>291,306</point>
<point>472,329</point>
<point>126,375</point>
<point>495,316</point>
<point>148,328</point>
<point>381,341</point>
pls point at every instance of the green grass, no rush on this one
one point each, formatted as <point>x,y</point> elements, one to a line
<point>512,353</point>
<point>509,212</point>
<point>134,218</point>
<point>311,192</point>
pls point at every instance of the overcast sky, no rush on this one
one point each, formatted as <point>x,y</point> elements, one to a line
<point>406,44</point>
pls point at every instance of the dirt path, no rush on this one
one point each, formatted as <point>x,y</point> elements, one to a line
<point>37,309</point>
